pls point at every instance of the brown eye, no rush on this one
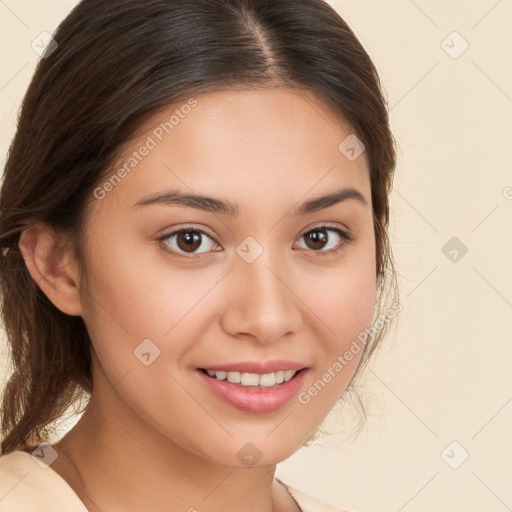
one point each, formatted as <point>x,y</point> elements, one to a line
<point>188,241</point>
<point>326,240</point>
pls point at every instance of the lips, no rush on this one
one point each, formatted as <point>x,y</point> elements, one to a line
<point>253,399</point>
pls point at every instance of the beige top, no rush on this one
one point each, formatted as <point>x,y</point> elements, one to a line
<point>26,484</point>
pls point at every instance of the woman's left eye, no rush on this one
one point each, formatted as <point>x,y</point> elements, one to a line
<point>320,242</point>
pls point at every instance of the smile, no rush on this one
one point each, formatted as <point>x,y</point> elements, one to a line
<point>253,379</point>
<point>257,393</point>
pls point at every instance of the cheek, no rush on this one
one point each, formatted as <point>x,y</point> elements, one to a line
<point>350,302</point>
<point>136,315</point>
<point>130,286</point>
<point>344,307</point>
<point>344,301</point>
<point>343,297</point>
<point>136,294</point>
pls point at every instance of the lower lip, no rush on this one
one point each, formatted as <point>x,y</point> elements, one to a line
<point>255,398</point>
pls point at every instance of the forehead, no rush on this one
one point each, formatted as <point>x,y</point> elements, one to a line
<point>265,143</point>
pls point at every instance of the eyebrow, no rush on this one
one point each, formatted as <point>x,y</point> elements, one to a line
<point>222,206</point>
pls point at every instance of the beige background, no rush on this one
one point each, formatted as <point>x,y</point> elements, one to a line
<point>445,372</point>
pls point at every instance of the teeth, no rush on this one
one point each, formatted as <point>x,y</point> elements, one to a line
<point>234,377</point>
<point>250,379</point>
<point>254,379</point>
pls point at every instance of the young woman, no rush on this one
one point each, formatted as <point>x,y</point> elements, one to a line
<point>194,237</point>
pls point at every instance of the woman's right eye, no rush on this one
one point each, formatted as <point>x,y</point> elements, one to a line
<point>187,241</point>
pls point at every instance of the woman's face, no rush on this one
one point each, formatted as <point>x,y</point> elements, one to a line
<point>259,281</point>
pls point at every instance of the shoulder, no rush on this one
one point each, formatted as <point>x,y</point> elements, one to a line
<point>309,503</point>
<point>27,484</point>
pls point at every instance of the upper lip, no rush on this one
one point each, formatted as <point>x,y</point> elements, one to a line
<point>260,367</point>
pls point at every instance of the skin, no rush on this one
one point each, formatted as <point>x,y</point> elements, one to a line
<point>157,428</point>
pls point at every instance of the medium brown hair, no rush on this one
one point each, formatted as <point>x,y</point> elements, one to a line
<point>117,62</point>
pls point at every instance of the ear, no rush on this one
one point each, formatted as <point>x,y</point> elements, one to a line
<point>52,267</point>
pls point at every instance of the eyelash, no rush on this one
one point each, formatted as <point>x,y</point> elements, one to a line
<point>346,236</point>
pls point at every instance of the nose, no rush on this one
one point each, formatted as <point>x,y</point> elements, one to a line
<point>261,300</point>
